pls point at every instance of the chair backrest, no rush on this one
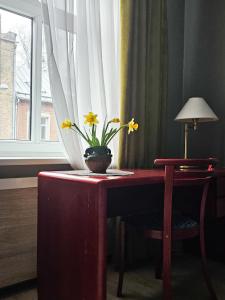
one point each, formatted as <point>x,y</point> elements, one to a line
<point>202,163</point>
<point>176,177</point>
<point>187,171</point>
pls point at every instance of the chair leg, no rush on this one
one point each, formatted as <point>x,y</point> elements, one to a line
<point>121,257</point>
<point>204,267</point>
<point>158,260</point>
<point>167,288</point>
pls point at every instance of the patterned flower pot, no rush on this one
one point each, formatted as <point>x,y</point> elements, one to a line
<point>98,158</point>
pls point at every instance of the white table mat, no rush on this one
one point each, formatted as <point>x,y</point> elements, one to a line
<point>109,172</point>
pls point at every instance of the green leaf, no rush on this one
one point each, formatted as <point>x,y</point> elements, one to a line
<point>114,133</point>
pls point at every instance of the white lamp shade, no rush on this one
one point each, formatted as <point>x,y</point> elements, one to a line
<point>196,108</point>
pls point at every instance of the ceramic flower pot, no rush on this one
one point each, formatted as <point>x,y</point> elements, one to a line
<point>98,158</point>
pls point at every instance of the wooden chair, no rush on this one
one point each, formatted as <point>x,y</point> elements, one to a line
<point>172,226</point>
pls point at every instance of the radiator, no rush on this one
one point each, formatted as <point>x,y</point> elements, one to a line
<point>18,230</point>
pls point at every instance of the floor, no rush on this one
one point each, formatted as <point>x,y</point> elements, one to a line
<point>140,284</point>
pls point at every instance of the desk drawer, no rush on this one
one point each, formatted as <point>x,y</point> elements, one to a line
<point>221,187</point>
<point>220,207</point>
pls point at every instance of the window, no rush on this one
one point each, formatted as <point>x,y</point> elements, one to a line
<point>27,120</point>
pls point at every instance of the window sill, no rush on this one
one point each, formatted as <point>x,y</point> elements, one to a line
<point>13,161</point>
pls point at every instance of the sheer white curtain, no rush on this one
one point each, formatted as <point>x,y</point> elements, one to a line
<point>82,49</point>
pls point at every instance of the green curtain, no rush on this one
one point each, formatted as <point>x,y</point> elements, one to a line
<point>143,80</point>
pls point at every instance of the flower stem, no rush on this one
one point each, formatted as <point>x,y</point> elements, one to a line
<point>79,131</point>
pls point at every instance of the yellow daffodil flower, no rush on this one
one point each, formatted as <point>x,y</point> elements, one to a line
<point>108,130</point>
<point>115,120</point>
<point>66,124</point>
<point>132,126</point>
<point>91,119</point>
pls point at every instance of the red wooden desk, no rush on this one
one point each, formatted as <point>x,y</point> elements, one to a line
<point>72,214</point>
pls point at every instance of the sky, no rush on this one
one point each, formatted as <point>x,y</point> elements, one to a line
<point>12,21</point>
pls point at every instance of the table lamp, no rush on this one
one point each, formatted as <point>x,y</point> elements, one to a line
<point>195,111</point>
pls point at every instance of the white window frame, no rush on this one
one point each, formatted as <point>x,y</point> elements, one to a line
<point>47,125</point>
<point>34,147</point>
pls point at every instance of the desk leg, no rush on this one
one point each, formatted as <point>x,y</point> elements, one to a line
<point>71,240</point>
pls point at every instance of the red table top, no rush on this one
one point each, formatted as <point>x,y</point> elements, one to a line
<point>139,177</point>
